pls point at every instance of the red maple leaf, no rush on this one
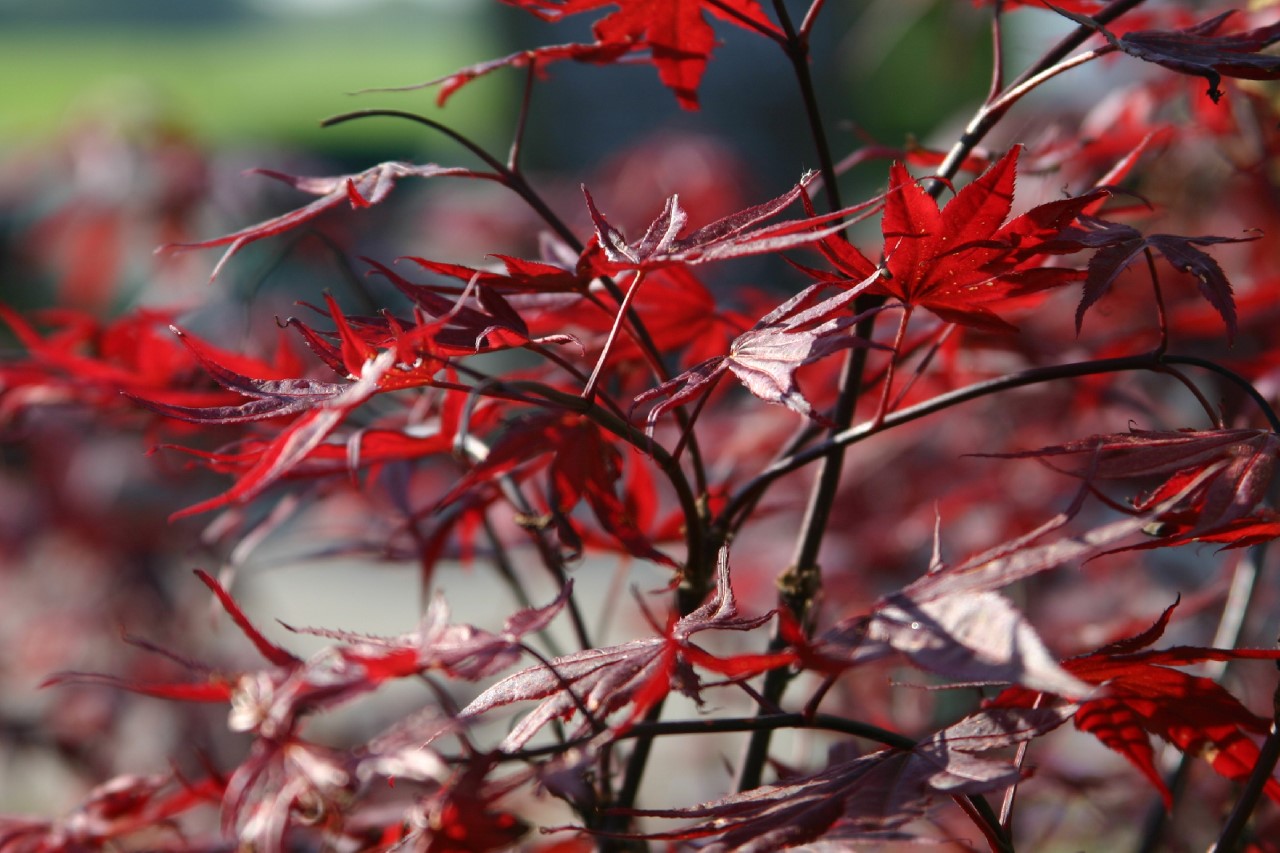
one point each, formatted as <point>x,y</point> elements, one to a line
<point>84,359</point>
<point>271,701</point>
<point>964,260</point>
<point>632,676</point>
<point>675,32</point>
<point>269,398</point>
<point>479,319</point>
<point>582,465</point>
<point>292,445</point>
<point>1143,695</point>
<point>118,812</point>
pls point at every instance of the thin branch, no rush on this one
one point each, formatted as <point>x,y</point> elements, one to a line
<point>512,180</point>
<point>810,18</point>
<point>1273,420</point>
<point>748,494</point>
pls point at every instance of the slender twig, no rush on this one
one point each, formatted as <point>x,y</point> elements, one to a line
<point>1215,418</point>
<point>512,180</point>
<point>882,408</point>
<point>810,18</point>
<point>1019,758</point>
<point>589,391</point>
<point>987,118</point>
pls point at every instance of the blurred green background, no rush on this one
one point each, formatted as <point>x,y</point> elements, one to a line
<point>237,71</point>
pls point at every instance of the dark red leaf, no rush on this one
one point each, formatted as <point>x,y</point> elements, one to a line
<point>1234,466</point>
<point>1197,50</point>
<point>1120,245</point>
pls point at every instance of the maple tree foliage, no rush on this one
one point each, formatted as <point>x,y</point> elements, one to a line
<point>871,477</point>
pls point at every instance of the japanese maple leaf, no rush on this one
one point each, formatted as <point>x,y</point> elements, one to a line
<point>360,190</point>
<point>632,676</point>
<point>665,242</point>
<point>964,260</point>
<point>766,357</point>
<point>480,319</point>
<point>1144,695</point>
<point>678,311</point>
<point>323,407</point>
<point>1199,51</point>
<point>1120,245</point>
<point>866,798</point>
<point>1234,468</point>
<point>675,32</point>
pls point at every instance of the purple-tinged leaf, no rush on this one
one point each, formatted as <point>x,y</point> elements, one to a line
<point>766,357</point>
<point>1197,51</point>
<point>866,798</point>
<point>1120,245</point>
<point>974,637</point>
